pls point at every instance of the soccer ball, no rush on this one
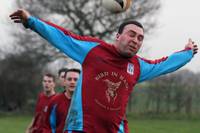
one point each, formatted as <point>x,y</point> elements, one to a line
<point>116,6</point>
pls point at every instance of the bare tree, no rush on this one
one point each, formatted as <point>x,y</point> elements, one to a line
<point>18,81</point>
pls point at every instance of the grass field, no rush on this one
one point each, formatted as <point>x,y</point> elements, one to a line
<point>17,124</point>
<point>14,124</point>
<point>164,126</point>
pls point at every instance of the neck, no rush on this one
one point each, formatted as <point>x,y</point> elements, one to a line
<point>68,94</point>
<point>49,93</point>
<point>123,54</point>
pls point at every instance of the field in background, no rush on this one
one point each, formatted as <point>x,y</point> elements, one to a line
<point>18,124</point>
<point>14,124</point>
<point>164,126</point>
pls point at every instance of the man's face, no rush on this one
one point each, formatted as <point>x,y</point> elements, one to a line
<point>48,84</point>
<point>62,80</point>
<point>71,80</point>
<point>130,40</point>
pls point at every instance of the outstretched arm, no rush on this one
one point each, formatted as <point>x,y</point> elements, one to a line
<point>76,47</point>
<point>150,69</point>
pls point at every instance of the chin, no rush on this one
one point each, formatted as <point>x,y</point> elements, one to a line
<point>71,89</point>
<point>128,55</point>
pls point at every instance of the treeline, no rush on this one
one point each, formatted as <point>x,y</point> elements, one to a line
<point>176,93</point>
<point>19,82</point>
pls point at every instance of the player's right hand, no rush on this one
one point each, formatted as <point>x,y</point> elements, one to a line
<point>20,16</point>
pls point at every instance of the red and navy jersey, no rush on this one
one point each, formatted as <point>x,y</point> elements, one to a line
<point>39,116</point>
<point>107,78</point>
<point>57,113</point>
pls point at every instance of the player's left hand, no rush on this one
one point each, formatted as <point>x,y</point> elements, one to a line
<point>192,45</point>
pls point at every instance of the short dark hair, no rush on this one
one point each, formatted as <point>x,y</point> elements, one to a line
<point>73,70</point>
<point>121,27</point>
<point>50,75</point>
<point>62,70</point>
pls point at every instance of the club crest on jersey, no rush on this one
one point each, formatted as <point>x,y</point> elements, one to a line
<point>111,92</point>
<point>130,68</point>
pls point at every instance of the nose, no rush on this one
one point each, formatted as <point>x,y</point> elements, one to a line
<point>135,39</point>
<point>73,81</point>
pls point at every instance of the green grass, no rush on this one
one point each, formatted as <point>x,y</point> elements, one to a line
<point>164,126</point>
<point>18,124</point>
<point>14,124</point>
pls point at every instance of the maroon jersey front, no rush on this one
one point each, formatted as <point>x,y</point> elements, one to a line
<point>39,116</point>
<point>56,113</point>
<point>107,83</point>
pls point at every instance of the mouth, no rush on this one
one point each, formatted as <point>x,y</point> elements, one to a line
<point>132,48</point>
<point>72,86</point>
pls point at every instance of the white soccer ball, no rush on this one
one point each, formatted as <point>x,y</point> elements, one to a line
<point>116,6</point>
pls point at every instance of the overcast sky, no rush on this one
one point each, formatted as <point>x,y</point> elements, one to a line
<point>6,7</point>
<point>178,20</point>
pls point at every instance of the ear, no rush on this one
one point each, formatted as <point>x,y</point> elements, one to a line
<point>117,36</point>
